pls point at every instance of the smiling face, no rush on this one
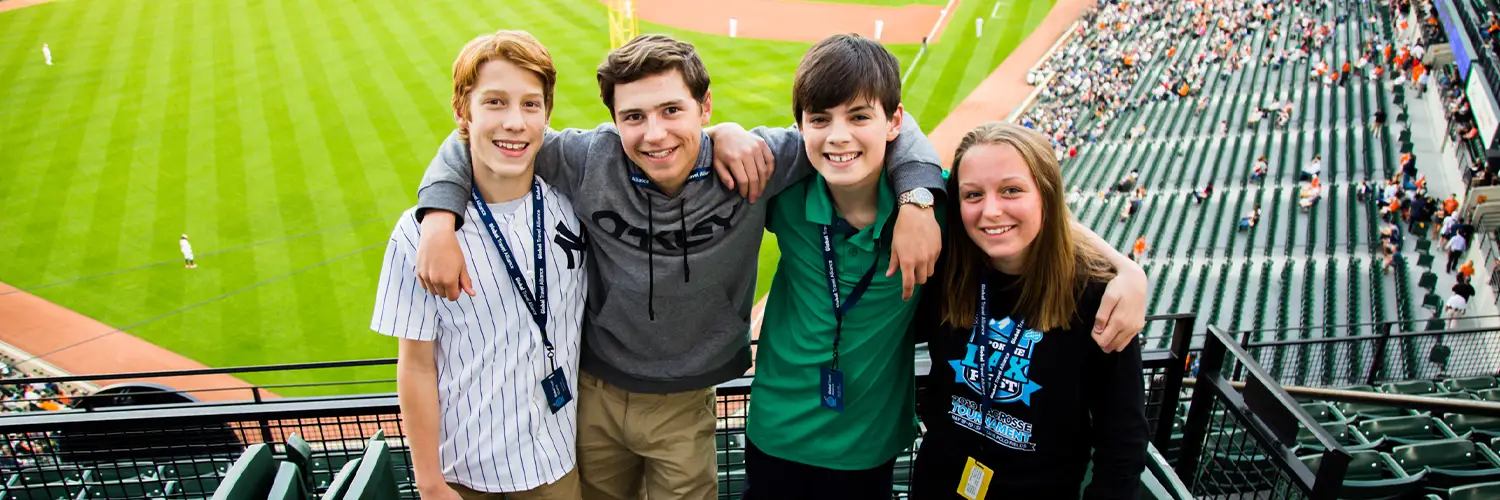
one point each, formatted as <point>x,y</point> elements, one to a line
<point>846,143</point>
<point>1000,204</point>
<point>661,126</point>
<point>507,117</point>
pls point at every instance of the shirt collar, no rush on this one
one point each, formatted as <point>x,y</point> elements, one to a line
<point>820,210</point>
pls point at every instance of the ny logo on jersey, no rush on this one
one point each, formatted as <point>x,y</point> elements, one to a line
<point>570,243</point>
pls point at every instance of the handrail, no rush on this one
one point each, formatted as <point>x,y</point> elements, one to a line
<point>1413,401</point>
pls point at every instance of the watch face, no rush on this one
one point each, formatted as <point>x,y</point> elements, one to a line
<point>922,196</point>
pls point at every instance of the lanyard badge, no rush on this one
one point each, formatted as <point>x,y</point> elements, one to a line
<point>555,385</point>
<point>831,383</point>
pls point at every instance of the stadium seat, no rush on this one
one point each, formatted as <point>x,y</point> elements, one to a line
<point>1484,428</point>
<point>1410,387</point>
<point>41,492</point>
<point>1425,260</point>
<point>299,453</point>
<point>1481,491</point>
<point>1397,431</point>
<point>373,479</point>
<point>1369,411</point>
<point>1470,384</point>
<point>1428,281</point>
<point>38,476</point>
<point>1372,474</point>
<point>126,489</point>
<point>250,477</point>
<point>196,468</point>
<point>1424,246</point>
<point>1489,395</point>
<point>288,484</point>
<point>340,483</point>
<point>1325,413</point>
<point>1433,302</point>
<point>1449,463</point>
<point>1308,443</point>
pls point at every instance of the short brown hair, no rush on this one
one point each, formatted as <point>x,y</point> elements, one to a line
<point>649,55</point>
<point>842,68</point>
<point>516,46</point>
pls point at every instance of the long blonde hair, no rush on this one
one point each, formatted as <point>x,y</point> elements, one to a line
<point>1059,255</point>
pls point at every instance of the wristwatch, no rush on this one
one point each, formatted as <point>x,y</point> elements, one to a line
<point>920,197</point>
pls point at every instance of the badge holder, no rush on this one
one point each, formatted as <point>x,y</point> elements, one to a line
<point>832,385</point>
<point>555,387</point>
<point>975,481</point>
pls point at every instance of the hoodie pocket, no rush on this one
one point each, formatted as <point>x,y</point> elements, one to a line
<point>696,330</point>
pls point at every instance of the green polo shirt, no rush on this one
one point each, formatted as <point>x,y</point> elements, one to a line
<point>787,420</point>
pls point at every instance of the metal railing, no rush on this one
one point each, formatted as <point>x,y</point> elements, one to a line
<point>184,450</point>
<point>1237,444</point>
<point>1387,355</point>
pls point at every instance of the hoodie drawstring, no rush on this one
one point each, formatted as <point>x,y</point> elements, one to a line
<point>687,272</point>
<point>650,261</point>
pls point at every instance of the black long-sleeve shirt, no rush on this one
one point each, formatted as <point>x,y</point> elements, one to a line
<point>1056,396</point>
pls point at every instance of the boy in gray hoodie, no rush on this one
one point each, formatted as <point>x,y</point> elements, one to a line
<point>657,336</point>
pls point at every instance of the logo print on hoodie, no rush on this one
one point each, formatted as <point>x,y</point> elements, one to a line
<point>570,243</point>
<point>670,239</point>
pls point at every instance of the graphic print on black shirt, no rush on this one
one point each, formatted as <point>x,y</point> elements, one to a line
<point>1005,373</point>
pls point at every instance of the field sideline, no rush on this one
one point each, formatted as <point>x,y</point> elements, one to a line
<point>284,137</point>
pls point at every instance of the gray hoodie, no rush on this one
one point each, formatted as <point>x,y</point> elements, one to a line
<point>668,313</point>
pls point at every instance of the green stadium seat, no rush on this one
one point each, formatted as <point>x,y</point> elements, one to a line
<point>1308,443</point>
<point>299,453</point>
<point>1452,395</point>
<point>288,484</point>
<point>1164,475</point>
<point>126,489</point>
<point>1483,427</point>
<point>1410,387</point>
<point>1396,431</point>
<point>1325,413</point>
<point>1433,301</point>
<point>373,480</point>
<point>1424,245</point>
<point>1470,384</point>
<point>55,491</point>
<point>1425,260</point>
<point>36,476</point>
<point>1428,281</point>
<point>121,471</point>
<point>196,468</point>
<point>1373,474</point>
<point>250,477</point>
<point>1481,491</point>
<point>1489,394</point>
<point>1449,463</point>
<point>340,483</point>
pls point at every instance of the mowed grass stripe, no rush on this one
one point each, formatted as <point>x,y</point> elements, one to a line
<point>124,209</point>
<point>64,241</point>
<point>167,83</point>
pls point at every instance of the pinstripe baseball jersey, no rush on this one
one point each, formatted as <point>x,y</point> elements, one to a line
<point>498,433</point>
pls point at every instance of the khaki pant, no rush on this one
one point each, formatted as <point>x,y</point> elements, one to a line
<point>565,488</point>
<point>657,445</point>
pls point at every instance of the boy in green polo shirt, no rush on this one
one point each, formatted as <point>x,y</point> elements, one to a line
<point>833,394</point>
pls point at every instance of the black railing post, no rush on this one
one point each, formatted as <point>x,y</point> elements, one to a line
<point>1182,338</point>
<point>1239,368</point>
<point>1377,365</point>
<point>1210,362</point>
<point>265,425</point>
<point>1328,480</point>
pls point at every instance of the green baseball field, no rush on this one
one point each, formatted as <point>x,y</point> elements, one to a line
<point>284,137</point>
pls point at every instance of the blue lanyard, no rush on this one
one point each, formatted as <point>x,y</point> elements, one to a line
<point>842,308</point>
<point>981,335</point>
<point>535,304</point>
<point>639,178</point>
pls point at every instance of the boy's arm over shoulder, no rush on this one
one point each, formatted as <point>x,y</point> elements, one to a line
<point>791,162</point>
<point>563,158</point>
<point>448,180</point>
<point>403,308</point>
<point>912,162</point>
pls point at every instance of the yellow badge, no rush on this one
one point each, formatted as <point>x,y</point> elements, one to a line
<point>975,481</point>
